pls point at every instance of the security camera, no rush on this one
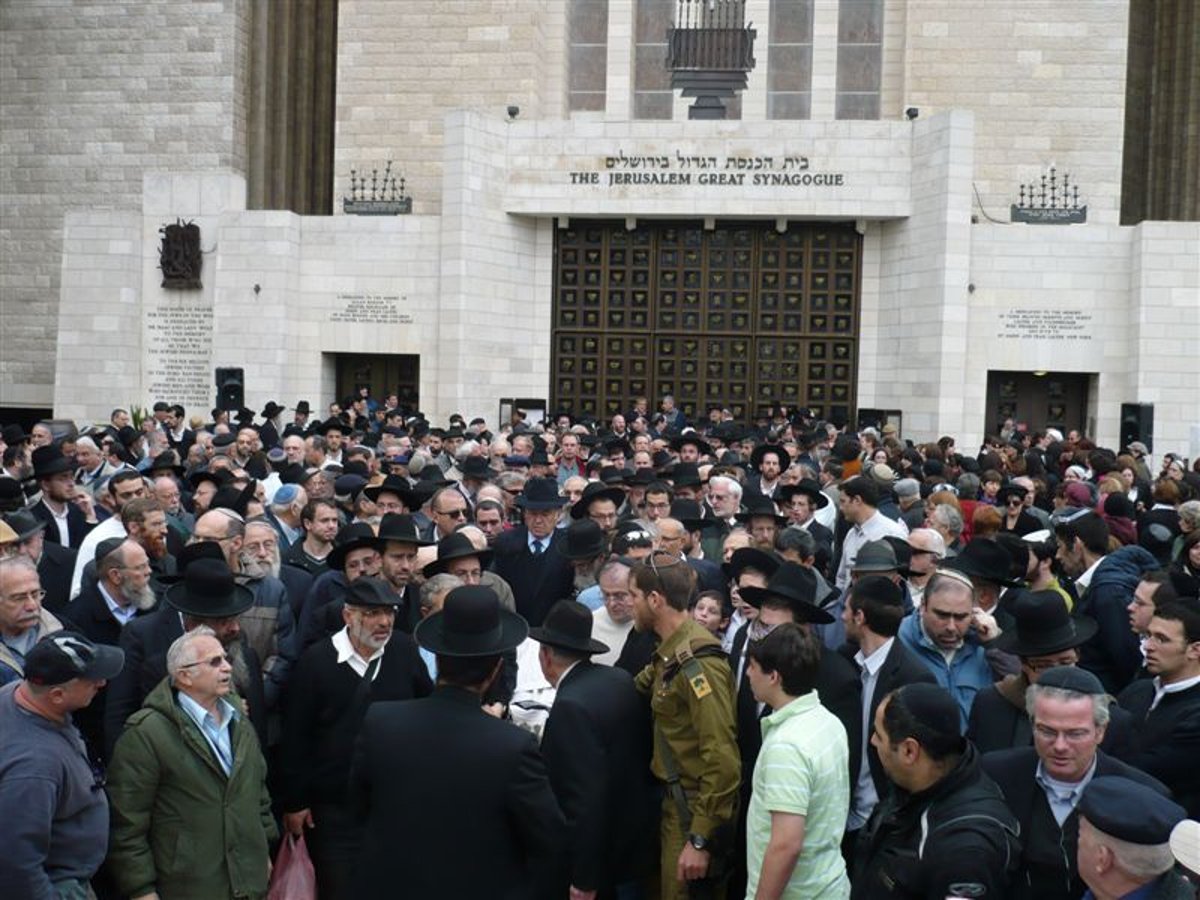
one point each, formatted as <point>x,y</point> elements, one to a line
<point>912,112</point>
<point>514,111</point>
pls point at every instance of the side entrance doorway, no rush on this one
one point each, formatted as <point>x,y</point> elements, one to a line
<point>384,374</point>
<point>1037,400</point>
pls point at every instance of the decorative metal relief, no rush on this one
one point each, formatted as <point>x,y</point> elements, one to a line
<point>179,256</point>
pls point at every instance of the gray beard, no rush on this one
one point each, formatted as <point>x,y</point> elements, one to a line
<point>256,571</point>
<point>142,598</point>
<point>241,671</point>
<point>583,582</point>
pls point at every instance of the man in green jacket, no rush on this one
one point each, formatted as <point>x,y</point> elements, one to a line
<point>191,815</point>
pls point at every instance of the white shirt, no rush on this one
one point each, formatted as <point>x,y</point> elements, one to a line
<point>605,630</point>
<point>348,655</point>
<point>875,528</point>
<point>1085,579</point>
<point>1160,689</point>
<point>60,522</point>
<point>109,528</point>
<point>865,796</point>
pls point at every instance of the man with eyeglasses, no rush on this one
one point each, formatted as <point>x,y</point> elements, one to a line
<point>23,619</point>
<point>448,509</point>
<point>51,796</point>
<point>188,782</point>
<point>1069,716</point>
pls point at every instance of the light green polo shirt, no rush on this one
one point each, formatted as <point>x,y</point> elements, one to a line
<point>803,768</point>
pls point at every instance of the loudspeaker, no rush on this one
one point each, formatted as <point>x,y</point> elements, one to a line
<point>231,391</point>
<point>871,418</point>
<point>1137,424</point>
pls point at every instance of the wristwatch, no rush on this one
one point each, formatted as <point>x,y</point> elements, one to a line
<point>698,841</point>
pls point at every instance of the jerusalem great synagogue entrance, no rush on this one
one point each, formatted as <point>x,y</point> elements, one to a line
<point>739,315</point>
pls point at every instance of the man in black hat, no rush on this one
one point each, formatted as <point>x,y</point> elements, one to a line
<point>54,562</point>
<point>357,553</point>
<point>332,685</point>
<point>205,593</point>
<point>67,524</point>
<point>596,744</point>
<point>1123,855</point>
<point>1069,714</point>
<point>434,776</point>
<point>944,829</point>
<point>585,545</point>
<point>600,504</point>
<point>800,502</point>
<point>302,411</point>
<point>527,556</point>
<point>398,565</point>
<point>50,795</point>
<point>690,447</point>
<point>268,431</point>
<point>767,463</point>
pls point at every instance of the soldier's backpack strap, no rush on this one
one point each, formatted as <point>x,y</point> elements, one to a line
<point>674,788</point>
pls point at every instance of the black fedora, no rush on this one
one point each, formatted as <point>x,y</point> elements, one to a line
<point>685,474</point>
<point>568,625</point>
<point>271,410</point>
<point>641,478</point>
<point>614,476</point>
<point>192,552</point>
<point>596,490</point>
<point>398,485</point>
<point>806,486</point>
<point>690,516</point>
<point>1043,626</point>
<point>229,497</point>
<point>401,527</point>
<point>986,560</point>
<point>371,592</point>
<point>758,505</point>
<point>584,540</point>
<point>703,446</point>
<point>24,523</point>
<point>471,623</point>
<point>166,461</point>
<point>756,456</point>
<point>49,460</point>
<point>613,443</point>
<point>455,545</point>
<point>13,435</point>
<point>354,536</point>
<point>797,585</point>
<point>208,590</point>
<point>333,423</point>
<point>541,493</point>
<point>219,477</point>
<point>303,408</point>
<point>476,468</point>
<point>750,558</point>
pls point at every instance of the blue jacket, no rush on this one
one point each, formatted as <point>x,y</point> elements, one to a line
<point>1113,655</point>
<point>968,674</point>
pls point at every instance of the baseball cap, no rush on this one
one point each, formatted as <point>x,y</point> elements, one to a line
<point>66,655</point>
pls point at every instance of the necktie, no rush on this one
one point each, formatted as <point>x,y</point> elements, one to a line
<point>537,548</point>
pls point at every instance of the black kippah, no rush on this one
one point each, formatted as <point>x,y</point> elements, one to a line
<point>933,707</point>
<point>107,546</point>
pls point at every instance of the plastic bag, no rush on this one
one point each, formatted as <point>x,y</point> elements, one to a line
<point>293,877</point>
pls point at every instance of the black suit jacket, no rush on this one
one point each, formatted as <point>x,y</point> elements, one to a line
<point>709,576</point>
<point>298,582</point>
<point>77,526</point>
<point>1014,771</point>
<point>537,582</point>
<point>458,779</point>
<point>54,571</point>
<point>596,744</point>
<point>1166,740</point>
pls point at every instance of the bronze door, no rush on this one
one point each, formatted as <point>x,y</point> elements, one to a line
<point>739,316</point>
<point>383,373</point>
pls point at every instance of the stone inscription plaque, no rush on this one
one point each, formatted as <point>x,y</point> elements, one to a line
<point>178,342</point>
<point>1045,324</point>
<point>372,309</point>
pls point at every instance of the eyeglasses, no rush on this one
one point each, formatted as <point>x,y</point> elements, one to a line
<point>19,599</point>
<point>453,513</point>
<point>1071,735</point>
<point>214,662</point>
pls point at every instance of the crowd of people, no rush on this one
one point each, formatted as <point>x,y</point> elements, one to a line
<point>630,658</point>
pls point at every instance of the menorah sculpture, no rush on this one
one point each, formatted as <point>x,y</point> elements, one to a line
<point>1052,202</point>
<point>377,196</point>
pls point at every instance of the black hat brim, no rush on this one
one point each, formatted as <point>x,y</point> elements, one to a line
<point>752,558</point>
<point>557,639</point>
<point>430,633</point>
<point>439,565</point>
<point>744,518</point>
<point>1048,643</point>
<point>788,491</point>
<point>964,567</point>
<point>801,609</point>
<point>580,507</point>
<point>54,467</point>
<point>240,599</point>
<point>337,557</point>
<point>596,549</point>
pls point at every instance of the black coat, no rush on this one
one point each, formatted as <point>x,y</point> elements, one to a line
<point>54,571</point>
<point>597,749</point>
<point>145,641</point>
<point>709,576</point>
<point>77,526</point>
<point>1048,870</point>
<point>458,803</point>
<point>1166,740</point>
<point>537,582</point>
<point>298,582</point>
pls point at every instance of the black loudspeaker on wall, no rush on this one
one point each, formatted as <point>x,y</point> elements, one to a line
<point>1137,424</point>
<point>231,391</point>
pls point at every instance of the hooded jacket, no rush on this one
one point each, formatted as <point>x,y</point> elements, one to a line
<point>1112,654</point>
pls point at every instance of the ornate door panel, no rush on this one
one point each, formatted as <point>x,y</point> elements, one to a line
<point>739,316</point>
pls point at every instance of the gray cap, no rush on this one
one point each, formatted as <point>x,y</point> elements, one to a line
<point>907,487</point>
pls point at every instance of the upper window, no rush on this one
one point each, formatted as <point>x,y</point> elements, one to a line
<point>860,59</point>
<point>789,60</point>
<point>652,94</point>
<point>587,36</point>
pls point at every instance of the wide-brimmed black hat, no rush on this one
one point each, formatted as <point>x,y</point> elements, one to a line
<point>218,477</point>
<point>568,625</point>
<point>207,590</point>
<point>166,461</point>
<point>641,478</point>
<point>232,498</point>
<point>403,528</point>
<point>24,523</point>
<point>333,423</point>
<point>984,559</point>
<point>1044,626</point>
<point>596,490</point>
<point>806,486</point>
<point>614,443</point>
<point>685,474</point>
<point>703,446</point>
<point>614,476</point>
<point>303,408</point>
<point>49,460</point>
<point>370,591</point>
<point>750,558</point>
<point>271,410</point>
<point>1010,490</point>
<point>470,623</point>
<point>541,493</point>
<point>398,485</point>
<point>13,435</point>
<point>193,552</point>
<point>689,514</point>
<point>354,536</point>
<point>584,540</point>
<point>797,585</point>
<point>756,456</point>
<point>758,505</point>
<point>455,545</point>
<point>476,467</point>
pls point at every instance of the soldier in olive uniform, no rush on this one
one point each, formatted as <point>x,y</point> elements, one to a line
<point>695,749</point>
